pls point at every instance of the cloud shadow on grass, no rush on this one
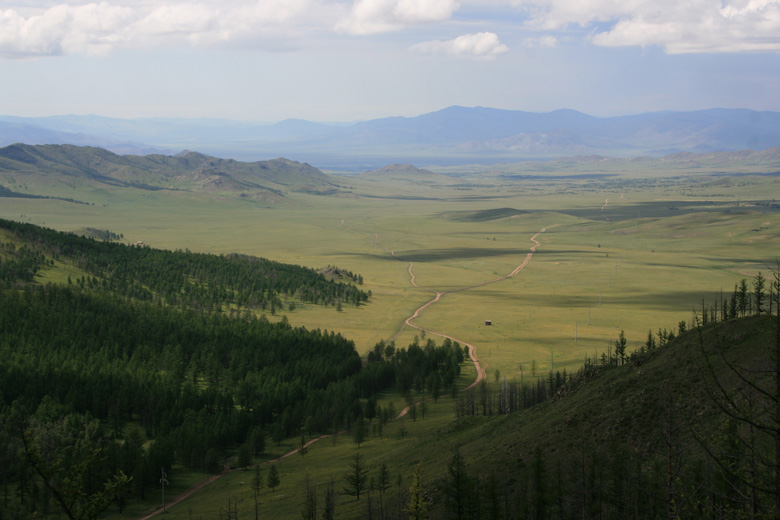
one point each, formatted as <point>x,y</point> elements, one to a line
<point>464,253</point>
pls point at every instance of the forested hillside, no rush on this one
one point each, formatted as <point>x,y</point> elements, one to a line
<point>92,369</point>
<point>180,278</point>
<point>684,426</point>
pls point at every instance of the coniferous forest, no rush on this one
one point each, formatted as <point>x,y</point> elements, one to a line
<point>128,344</point>
<point>180,278</point>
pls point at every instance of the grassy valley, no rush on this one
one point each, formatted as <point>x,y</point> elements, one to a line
<point>559,259</point>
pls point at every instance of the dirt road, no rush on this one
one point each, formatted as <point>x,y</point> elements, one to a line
<point>478,365</point>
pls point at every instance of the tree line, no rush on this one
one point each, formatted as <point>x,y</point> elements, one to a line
<point>179,278</point>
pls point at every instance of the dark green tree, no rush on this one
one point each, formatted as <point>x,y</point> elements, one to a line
<point>359,432</point>
<point>382,485</point>
<point>66,483</point>
<point>257,484</point>
<point>457,487</point>
<point>357,477</point>
<point>742,297</point>
<point>620,347</point>
<point>309,509</point>
<point>759,286</point>
<point>244,457</point>
<point>211,461</point>
<point>302,448</point>
<point>277,433</point>
<point>257,441</point>
<point>329,509</point>
<point>272,480</point>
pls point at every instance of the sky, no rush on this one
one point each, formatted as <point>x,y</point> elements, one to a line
<point>349,60</point>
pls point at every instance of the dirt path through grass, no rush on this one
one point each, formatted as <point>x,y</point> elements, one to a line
<point>479,366</point>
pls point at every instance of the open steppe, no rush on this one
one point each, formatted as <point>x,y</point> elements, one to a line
<point>625,251</point>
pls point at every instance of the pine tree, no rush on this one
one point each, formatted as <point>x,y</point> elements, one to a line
<point>382,484</point>
<point>257,483</point>
<point>416,507</point>
<point>457,486</point>
<point>357,477</point>
<point>620,347</point>
<point>273,481</point>
<point>742,297</point>
<point>309,510</point>
<point>329,510</point>
<point>759,284</point>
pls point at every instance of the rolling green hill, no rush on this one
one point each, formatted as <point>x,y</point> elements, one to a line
<point>189,171</point>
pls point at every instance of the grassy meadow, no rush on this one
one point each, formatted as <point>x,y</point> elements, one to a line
<point>621,253</point>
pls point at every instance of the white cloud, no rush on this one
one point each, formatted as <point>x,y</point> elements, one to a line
<point>754,26</point>
<point>377,16</point>
<point>679,27</point>
<point>33,28</point>
<point>97,28</point>
<point>61,29</point>
<point>484,45</point>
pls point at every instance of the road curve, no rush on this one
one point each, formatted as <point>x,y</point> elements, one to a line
<point>481,368</point>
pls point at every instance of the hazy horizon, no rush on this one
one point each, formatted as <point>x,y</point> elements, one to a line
<point>355,121</point>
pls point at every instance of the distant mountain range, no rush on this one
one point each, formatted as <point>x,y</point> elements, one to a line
<point>454,135</point>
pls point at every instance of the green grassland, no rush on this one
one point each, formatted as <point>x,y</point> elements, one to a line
<point>618,253</point>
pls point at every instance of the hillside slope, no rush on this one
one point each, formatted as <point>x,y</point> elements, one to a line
<point>187,171</point>
<point>632,440</point>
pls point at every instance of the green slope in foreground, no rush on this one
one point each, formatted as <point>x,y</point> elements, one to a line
<point>643,440</point>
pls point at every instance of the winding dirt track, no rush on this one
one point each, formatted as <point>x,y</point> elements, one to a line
<point>479,366</point>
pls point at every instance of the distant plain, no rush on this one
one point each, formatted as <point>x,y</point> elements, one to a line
<point>630,251</point>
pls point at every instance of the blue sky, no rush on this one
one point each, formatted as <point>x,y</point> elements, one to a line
<point>346,60</point>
